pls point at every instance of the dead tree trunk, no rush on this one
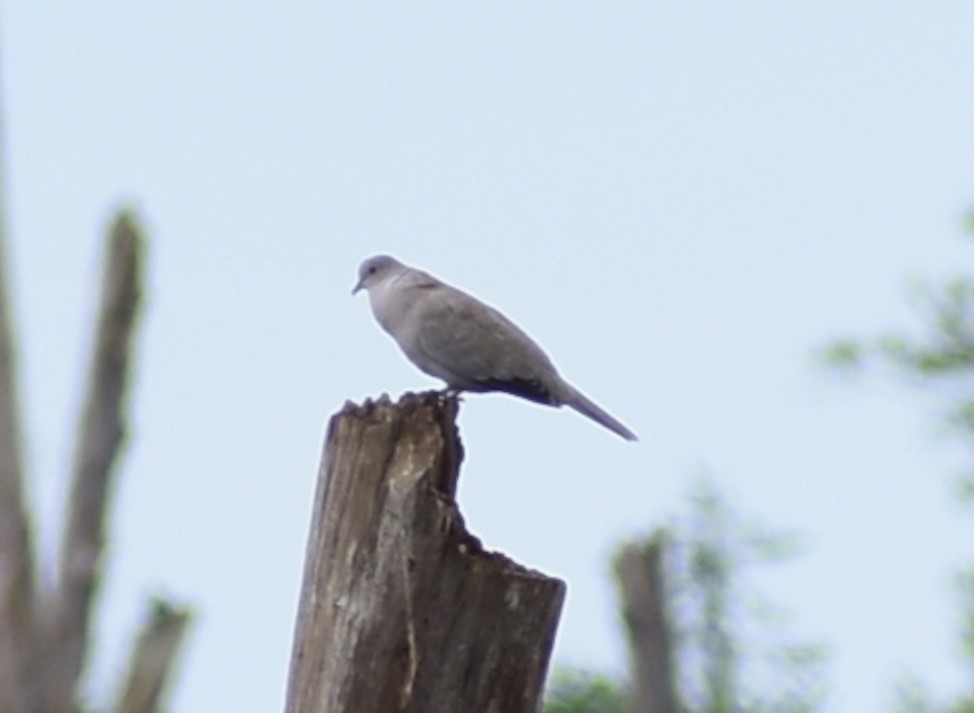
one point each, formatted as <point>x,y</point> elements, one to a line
<point>101,434</point>
<point>45,626</point>
<point>18,588</point>
<point>402,610</point>
<point>153,657</point>
<point>641,576</point>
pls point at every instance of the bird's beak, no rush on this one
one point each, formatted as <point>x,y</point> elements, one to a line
<point>358,287</point>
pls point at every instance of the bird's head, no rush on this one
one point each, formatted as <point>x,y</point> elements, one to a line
<point>375,270</point>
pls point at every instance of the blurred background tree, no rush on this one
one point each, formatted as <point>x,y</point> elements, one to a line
<point>938,356</point>
<point>730,648</point>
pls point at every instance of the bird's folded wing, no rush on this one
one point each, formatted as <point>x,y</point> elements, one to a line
<point>478,344</point>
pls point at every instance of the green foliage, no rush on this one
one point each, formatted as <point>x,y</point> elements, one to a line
<point>709,562</point>
<point>574,690</point>
<point>736,654</point>
<point>846,353</point>
<point>912,696</point>
<point>940,354</point>
<point>945,349</point>
<point>965,585</point>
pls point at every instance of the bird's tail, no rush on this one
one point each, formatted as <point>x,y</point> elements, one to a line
<point>585,406</point>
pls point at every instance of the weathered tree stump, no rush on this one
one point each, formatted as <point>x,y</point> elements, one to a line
<point>641,576</point>
<point>402,610</point>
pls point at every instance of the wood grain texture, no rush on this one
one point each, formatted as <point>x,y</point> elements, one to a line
<point>402,610</point>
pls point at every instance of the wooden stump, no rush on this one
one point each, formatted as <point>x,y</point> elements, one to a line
<point>641,576</point>
<point>401,608</point>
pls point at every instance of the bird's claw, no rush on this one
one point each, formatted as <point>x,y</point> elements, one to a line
<point>450,394</point>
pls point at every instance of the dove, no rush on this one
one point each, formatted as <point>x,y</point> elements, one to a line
<point>469,345</point>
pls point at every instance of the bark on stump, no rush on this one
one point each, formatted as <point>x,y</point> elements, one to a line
<point>402,610</point>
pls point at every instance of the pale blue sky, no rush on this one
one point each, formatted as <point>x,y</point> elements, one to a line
<point>678,200</point>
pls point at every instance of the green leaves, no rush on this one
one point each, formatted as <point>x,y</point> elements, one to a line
<point>575,690</point>
<point>735,654</point>
<point>939,355</point>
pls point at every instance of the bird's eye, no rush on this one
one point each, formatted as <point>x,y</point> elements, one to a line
<point>372,270</point>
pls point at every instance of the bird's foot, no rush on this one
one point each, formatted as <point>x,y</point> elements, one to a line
<point>450,394</point>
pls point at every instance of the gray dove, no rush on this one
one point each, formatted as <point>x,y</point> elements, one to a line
<point>469,345</point>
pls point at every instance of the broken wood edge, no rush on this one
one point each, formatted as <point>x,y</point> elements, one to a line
<point>449,407</point>
<point>409,420</point>
<point>155,653</point>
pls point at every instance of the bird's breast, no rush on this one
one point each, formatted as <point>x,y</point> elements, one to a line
<point>390,307</point>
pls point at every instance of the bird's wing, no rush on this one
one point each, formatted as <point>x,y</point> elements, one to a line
<point>479,346</point>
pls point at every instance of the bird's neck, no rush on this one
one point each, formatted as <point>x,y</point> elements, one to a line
<point>389,300</point>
